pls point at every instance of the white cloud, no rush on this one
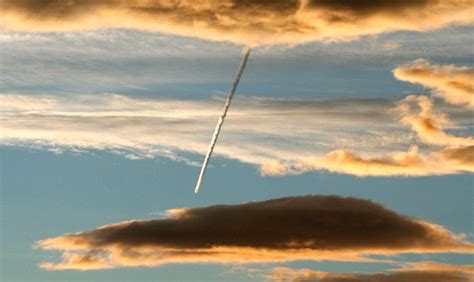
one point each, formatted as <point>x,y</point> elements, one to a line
<point>258,131</point>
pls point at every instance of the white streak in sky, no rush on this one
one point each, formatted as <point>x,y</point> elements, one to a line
<point>220,122</point>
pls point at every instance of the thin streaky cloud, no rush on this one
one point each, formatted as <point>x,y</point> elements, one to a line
<point>282,136</point>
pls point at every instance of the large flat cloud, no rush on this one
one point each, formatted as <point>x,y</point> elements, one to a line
<point>247,22</point>
<point>409,272</point>
<point>285,229</point>
<point>452,83</point>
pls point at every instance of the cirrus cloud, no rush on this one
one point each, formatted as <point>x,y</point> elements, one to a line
<point>281,136</point>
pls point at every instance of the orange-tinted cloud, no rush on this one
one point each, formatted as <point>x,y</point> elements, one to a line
<point>427,123</point>
<point>423,271</point>
<point>249,22</point>
<point>285,229</point>
<point>454,84</point>
<point>343,161</point>
<point>416,112</point>
<point>461,157</point>
<point>448,161</point>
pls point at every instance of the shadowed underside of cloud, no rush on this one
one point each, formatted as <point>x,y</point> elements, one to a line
<point>421,271</point>
<point>454,84</point>
<point>248,22</point>
<point>285,229</point>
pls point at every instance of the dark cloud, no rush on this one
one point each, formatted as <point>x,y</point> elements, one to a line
<point>311,227</point>
<point>367,7</point>
<point>251,22</point>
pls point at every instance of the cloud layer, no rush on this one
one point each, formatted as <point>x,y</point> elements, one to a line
<point>421,271</point>
<point>292,228</point>
<point>247,22</point>
<point>258,130</point>
<point>281,136</point>
<point>454,84</point>
<point>131,61</point>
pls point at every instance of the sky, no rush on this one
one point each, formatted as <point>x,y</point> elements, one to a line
<point>346,155</point>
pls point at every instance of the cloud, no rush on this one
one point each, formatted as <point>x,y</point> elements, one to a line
<point>248,22</point>
<point>284,229</point>
<point>411,163</point>
<point>428,124</point>
<point>268,129</point>
<point>462,156</point>
<point>131,61</point>
<point>282,136</point>
<point>399,164</point>
<point>420,271</point>
<point>453,84</point>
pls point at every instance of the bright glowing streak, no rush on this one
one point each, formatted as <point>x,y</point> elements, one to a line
<point>220,122</point>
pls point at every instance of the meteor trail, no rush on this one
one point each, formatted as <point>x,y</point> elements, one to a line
<point>220,122</point>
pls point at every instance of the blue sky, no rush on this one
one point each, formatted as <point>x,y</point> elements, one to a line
<point>108,125</point>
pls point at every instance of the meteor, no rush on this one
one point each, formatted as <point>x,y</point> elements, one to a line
<point>220,122</point>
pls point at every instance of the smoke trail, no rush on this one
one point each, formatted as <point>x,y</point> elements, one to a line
<point>220,122</point>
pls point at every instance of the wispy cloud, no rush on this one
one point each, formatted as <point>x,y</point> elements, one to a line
<point>453,83</point>
<point>131,61</point>
<point>281,136</point>
<point>428,123</point>
<point>249,22</point>
<point>410,163</point>
<point>285,229</point>
<point>270,128</point>
<point>418,113</point>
